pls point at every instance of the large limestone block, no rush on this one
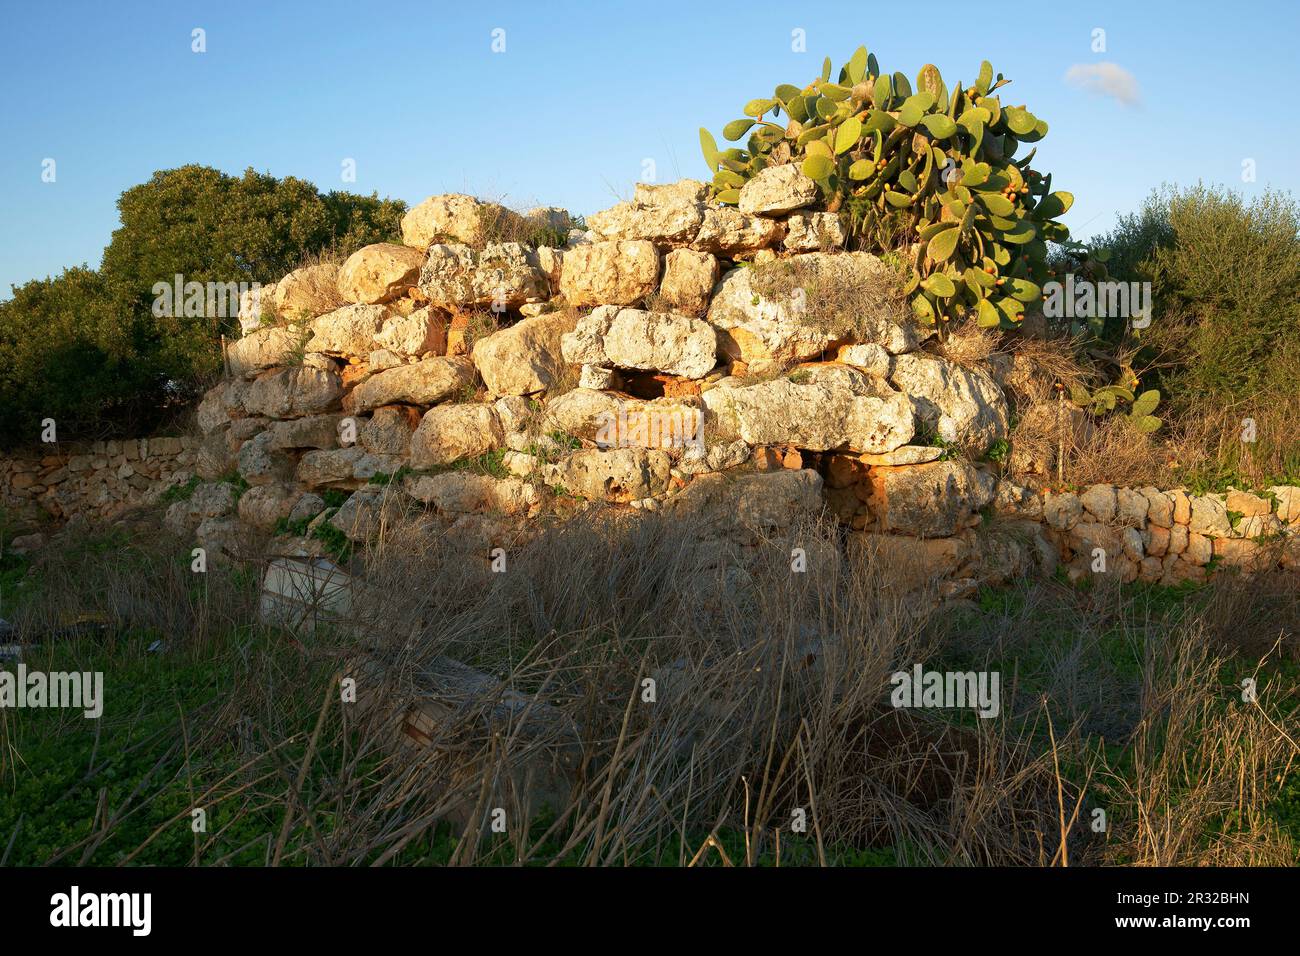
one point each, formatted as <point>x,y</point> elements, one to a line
<point>619,474</point>
<point>649,341</point>
<point>777,190</point>
<point>423,332</point>
<point>449,433</point>
<point>666,214</point>
<point>348,332</point>
<point>426,382</point>
<point>689,278</point>
<point>931,500</point>
<point>379,273</point>
<point>461,492</point>
<point>525,357</point>
<point>307,292</point>
<point>265,348</point>
<point>609,273</point>
<point>963,405</point>
<point>504,275</point>
<point>293,392</point>
<point>796,309</point>
<point>454,217</point>
<point>813,414</point>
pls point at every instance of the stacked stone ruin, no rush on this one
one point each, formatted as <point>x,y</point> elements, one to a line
<point>695,392</point>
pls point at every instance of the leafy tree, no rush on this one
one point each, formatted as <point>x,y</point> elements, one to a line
<point>1225,281</point>
<point>85,347</point>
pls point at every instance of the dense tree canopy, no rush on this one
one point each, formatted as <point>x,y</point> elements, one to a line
<point>85,348</point>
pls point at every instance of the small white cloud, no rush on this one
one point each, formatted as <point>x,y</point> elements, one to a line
<point>1108,79</point>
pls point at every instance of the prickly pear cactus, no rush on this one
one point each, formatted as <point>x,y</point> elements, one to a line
<point>931,168</point>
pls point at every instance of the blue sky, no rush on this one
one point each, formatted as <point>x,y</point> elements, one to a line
<point>585,93</point>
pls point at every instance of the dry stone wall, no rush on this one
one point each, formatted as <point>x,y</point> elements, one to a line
<point>733,366</point>
<point>95,480</point>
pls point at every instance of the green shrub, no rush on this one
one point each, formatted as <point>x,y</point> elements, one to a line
<point>1225,281</point>
<point>930,167</point>
<point>85,347</point>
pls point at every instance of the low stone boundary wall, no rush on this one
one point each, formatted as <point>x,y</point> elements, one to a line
<point>93,479</point>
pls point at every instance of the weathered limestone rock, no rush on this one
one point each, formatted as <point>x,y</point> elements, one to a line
<point>525,357</point>
<point>1246,504</point>
<point>619,475</point>
<point>814,232</point>
<point>1062,511</point>
<point>929,501</point>
<point>550,261</point>
<point>550,217</point>
<point>366,510</point>
<point>871,358</point>
<point>1200,549</point>
<point>312,431</point>
<point>218,536</point>
<point>1209,516</point>
<point>1182,506</point>
<point>1131,507</point>
<point>917,562</point>
<point>220,403</point>
<point>763,331</point>
<point>423,332</point>
<point>597,377</point>
<point>258,463</point>
<point>905,455</point>
<point>293,392</point>
<point>1288,502</point>
<point>460,492</point>
<point>330,467</point>
<point>816,415</point>
<point>767,502</point>
<point>265,348</point>
<point>1177,539</point>
<point>388,431</point>
<point>209,500</point>
<point>455,218</point>
<point>504,275</point>
<point>689,278</point>
<point>262,506</point>
<point>256,304</point>
<point>1010,498</point>
<point>777,190</point>
<point>369,465</point>
<point>306,507</point>
<point>381,360</point>
<point>963,405</point>
<point>449,433</point>
<point>610,420</point>
<point>614,273</point>
<point>636,339</point>
<point>1100,502</point>
<point>666,214</point>
<point>379,273</point>
<point>576,412</point>
<point>348,332</point>
<point>727,231</point>
<point>1242,553</point>
<point>422,383</point>
<point>308,292</point>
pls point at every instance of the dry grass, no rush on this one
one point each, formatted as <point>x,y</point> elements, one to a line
<point>837,299</point>
<point>771,695</point>
<point>500,222</point>
<point>1204,771</point>
<point>968,345</point>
